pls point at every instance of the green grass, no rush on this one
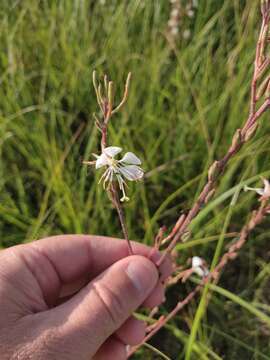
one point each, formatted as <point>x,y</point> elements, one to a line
<point>184,104</point>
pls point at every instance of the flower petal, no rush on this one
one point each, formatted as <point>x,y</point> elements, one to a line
<point>102,160</point>
<point>130,158</point>
<point>260,191</point>
<point>257,190</point>
<point>131,172</point>
<point>197,261</point>
<point>198,266</point>
<point>266,187</point>
<point>199,271</point>
<point>112,151</point>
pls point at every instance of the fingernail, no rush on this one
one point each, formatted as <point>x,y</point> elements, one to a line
<point>142,273</point>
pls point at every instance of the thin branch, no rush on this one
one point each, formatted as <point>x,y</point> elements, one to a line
<point>105,102</point>
<point>240,137</point>
<point>256,219</point>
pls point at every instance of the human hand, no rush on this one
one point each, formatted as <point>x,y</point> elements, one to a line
<point>72,297</point>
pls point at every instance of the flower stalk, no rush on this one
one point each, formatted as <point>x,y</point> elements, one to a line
<point>256,219</point>
<point>241,136</point>
<point>116,170</point>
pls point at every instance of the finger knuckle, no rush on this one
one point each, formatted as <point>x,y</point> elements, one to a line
<point>113,305</point>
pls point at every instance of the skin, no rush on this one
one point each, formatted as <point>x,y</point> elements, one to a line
<point>72,297</point>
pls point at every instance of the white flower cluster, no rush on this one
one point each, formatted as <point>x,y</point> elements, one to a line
<point>125,168</point>
<point>178,11</point>
<point>173,23</point>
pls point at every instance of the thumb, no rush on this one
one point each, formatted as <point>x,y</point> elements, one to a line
<point>99,309</point>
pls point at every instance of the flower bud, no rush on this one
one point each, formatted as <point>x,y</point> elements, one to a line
<point>237,139</point>
<point>250,132</point>
<point>263,88</point>
<point>267,91</point>
<point>208,197</point>
<point>213,171</point>
<point>186,236</point>
<point>110,94</point>
<point>264,6</point>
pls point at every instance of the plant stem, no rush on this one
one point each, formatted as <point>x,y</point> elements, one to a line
<point>106,106</point>
<point>120,212</point>
<point>240,137</point>
<point>256,218</point>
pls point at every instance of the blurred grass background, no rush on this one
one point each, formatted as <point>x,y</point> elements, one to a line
<point>185,103</point>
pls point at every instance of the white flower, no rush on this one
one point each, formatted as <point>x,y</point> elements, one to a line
<point>199,266</point>
<point>190,13</point>
<point>172,23</point>
<point>186,34</point>
<point>174,30</point>
<point>127,167</point>
<point>264,192</point>
<point>174,13</point>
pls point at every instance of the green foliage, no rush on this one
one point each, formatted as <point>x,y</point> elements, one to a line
<point>185,104</point>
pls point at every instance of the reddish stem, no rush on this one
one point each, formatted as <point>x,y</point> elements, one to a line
<point>210,185</point>
<point>256,219</point>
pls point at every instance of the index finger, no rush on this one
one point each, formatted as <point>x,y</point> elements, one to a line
<point>72,257</point>
<point>76,255</point>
